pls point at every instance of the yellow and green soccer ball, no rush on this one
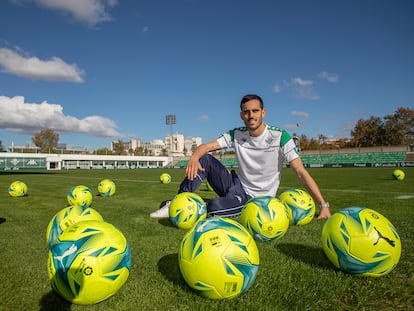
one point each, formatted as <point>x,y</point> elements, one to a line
<point>186,209</point>
<point>265,218</point>
<point>398,174</point>
<point>299,205</point>
<point>67,217</point>
<point>106,188</point>
<point>17,189</point>
<point>89,262</point>
<point>165,178</point>
<point>80,195</point>
<point>361,241</point>
<point>218,258</point>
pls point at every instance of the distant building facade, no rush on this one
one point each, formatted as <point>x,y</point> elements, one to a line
<point>175,145</point>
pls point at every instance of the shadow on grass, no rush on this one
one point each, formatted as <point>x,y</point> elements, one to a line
<point>52,301</point>
<point>165,222</point>
<point>2,220</point>
<point>313,256</point>
<point>168,267</point>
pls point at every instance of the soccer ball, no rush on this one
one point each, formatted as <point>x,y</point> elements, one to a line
<point>186,209</point>
<point>398,174</point>
<point>361,241</point>
<point>300,206</point>
<point>89,262</point>
<point>68,216</point>
<point>80,195</point>
<point>218,258</point>
<point>265,218</point>
<point>17,189</point>
<point>165,178</point>
<point>106,188</point>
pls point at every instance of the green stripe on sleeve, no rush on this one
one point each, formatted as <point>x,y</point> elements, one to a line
<point>285,138</point>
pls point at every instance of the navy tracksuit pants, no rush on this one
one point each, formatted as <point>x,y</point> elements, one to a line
<point>225,183</point>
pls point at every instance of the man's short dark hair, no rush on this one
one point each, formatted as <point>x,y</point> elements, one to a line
<point>248,97</point>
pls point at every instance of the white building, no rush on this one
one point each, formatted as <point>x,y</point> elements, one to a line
<point>175,145</point>
<point>17,161</point>
<point>179,146</point>
<point>191,143</point>
<point>156,147</point>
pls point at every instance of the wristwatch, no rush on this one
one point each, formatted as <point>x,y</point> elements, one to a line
<point>325,205</point>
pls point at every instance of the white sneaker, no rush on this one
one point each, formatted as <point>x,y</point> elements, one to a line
<point>163,212</point>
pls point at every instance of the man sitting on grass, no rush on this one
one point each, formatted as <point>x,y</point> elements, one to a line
<point>260,151</point>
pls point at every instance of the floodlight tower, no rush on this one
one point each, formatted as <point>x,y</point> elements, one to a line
<point>170,120</point>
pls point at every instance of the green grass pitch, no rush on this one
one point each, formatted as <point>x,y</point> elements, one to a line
<point>293,274</point>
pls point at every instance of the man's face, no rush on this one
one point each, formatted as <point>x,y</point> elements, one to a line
<point>252,114</point>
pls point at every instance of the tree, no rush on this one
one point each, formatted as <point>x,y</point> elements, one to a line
<point>119,147</point>
<point>103,151</point>
<point>46,140</point>
<point>399,127</point>
<point>304,142</point>
<point>322,139</point>
<point>139,151</point>
<point>313,144</point>
<point>394,130</point>
<point>1,146</point>
<point>368,133</point>
<point>343,143</point>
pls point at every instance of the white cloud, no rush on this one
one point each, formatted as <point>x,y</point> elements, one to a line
<point>90,12</point>
<point>18,116</point>
<point>301,114</point>
<point>304,89</point>
<point>203,118</point>
<point>331,77</point>
<point>293,126</point>
<point>346,128</point>
<point>277,88</point>
<point>24,66</point>
<point>303,83</point>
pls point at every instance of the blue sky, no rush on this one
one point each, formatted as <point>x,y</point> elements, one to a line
<point>102,70</point>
